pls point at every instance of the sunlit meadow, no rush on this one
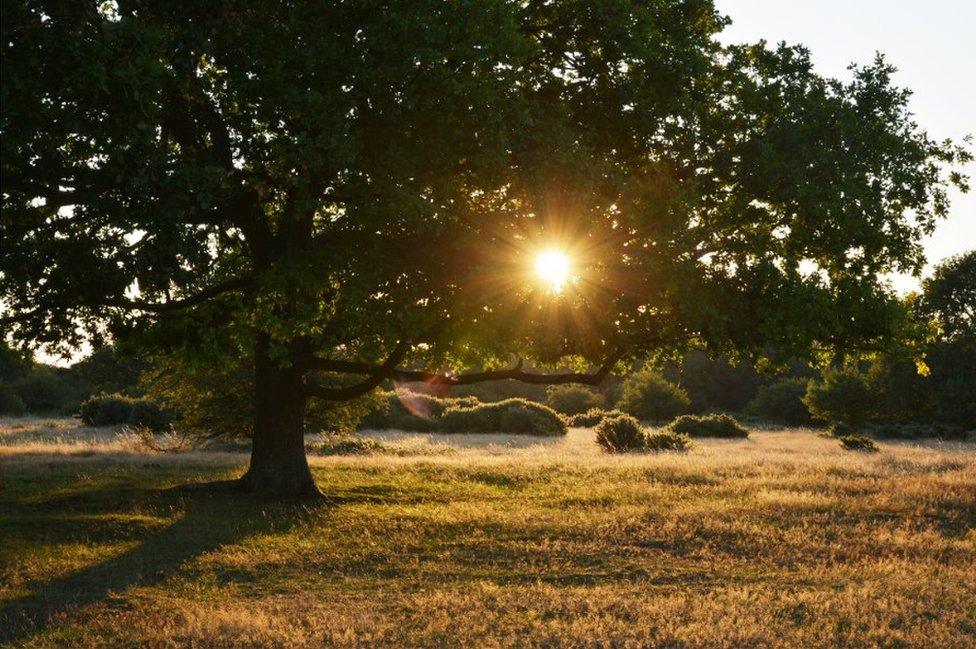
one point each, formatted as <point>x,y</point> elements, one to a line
<point>783,539</point>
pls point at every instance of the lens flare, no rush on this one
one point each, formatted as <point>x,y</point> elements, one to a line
<point>552,267</point>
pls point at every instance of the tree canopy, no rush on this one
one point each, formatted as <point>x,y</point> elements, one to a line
<point>360,188</point>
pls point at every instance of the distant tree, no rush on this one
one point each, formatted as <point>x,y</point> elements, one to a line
<point>354,190</point>
<point>843,396</point>
<point>43,390</point>
<point>902,393</point>
<point>572,399</point>
<point>107,370</point>
<point>782,402</point>
<point>650,397</point>
<point>715,383</point>
<point>13,363</point>
<point>949,297</point>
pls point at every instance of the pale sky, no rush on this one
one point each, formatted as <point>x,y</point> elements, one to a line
<point>932,43</point>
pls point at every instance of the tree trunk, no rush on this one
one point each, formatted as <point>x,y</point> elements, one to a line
<point>279,467</point>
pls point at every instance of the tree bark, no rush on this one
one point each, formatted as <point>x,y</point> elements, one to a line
<point>278,467</point>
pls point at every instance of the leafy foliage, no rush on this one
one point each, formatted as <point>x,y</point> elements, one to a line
<point>403,409</point>
<point>620,434</point>
<point>858,443</point>
<point>949,297</point>
<point>10,401</point>
<point>118,409</point>
<point>509,416</point>
<point>592,417</point>
<point>952,382</point>
<point>650,397</point>
<point>345,192</point>
<point>707,426</point>
<point>214,397</point>
<point>899,391</point>
<point>714,383</point>
<point>842,396</point>
<point>42,390</point>
<point>667,440</point>
<point>782,402</point>
<point>572,399</point>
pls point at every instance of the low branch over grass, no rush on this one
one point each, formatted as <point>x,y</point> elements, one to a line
<point>379,373</point>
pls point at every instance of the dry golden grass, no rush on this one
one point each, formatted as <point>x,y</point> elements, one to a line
<point>783,539</point>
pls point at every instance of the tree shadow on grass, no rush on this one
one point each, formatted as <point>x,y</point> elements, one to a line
<point>210,518</point>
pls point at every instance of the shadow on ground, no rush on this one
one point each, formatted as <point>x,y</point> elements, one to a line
<point>205,520</point>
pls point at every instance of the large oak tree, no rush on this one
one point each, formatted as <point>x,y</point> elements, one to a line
<point>354,191</point>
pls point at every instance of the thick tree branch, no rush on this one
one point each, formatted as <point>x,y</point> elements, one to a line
<point>131,305</point>
<point>175,305</point>
<point>409,376</point>
<point>378,374</point>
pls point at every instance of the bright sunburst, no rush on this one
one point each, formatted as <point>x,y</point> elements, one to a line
<point>552,266</point>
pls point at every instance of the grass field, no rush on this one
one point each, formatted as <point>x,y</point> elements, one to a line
<point>783,539</point>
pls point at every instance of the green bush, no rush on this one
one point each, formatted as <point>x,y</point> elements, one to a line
<point>411,411</point>
<point>42,390</point>
<point>508,416</point>
<point>858,443</point>
<point>782,402</point>
<point>572,399</point>
<point>667,440</point>
<point>118,409</point>
<point>106,410</point>
<point>707,426</point>
<point>842,396</point>
<point>592,417</point>
<point>650,397</point>
<point>145,414</point>
<point>10,401</point>
<point>840,429</point>
<point>620,434</point>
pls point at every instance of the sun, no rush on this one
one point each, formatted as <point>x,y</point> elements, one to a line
<point>552,267</point>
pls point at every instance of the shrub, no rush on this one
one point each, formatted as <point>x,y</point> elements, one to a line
<point>411,411</point>
<point>41,390</point>
<point>118,409</point>
<point>572,399</point>
<point>858,443</point>
<point>842,396</point>
<point>508,416</point>
<point>781,402</point>
<point>344,444</point>
<point>650,397</point>
<point>707,426</point>
<point>106,410</point>
<point>620,434</point>
<point>667,440</point>
<point>10,401</point>
<point>592,417</point>
<point>840,429</point>
<point>145,414</point>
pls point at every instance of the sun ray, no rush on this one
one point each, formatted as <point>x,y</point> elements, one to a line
<point>552,267</point>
